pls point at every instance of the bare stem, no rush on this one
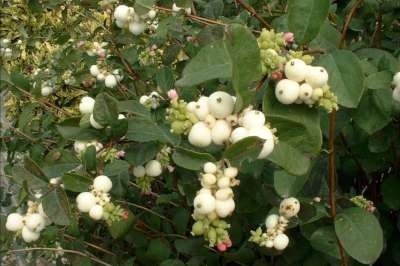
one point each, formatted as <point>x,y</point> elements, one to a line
<point>254,14</point>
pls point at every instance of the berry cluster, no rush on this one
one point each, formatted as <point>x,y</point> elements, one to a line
<point>5,50</point>
<point>126,17</point>
<point>110,79</point>
<point>95,48</point>
<point>97,201</point>
<point>276,225</point>
<point>180,118</point>
<point>145,174</point>
<point>81,146</point>
<point>305,84</point>
<point>363,203</point>
<point>176,9</point>
<point>213,203</point>
<point>47,88</point>
<point>31,224</point>
<point>151,101</point>
<point>396,84</point>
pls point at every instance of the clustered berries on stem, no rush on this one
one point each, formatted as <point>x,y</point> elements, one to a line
<point>29,225</point>
<point>151,101</point>
<point>126,17</point>
<point>97,202</point>
<point>213,203</point>
<point>146,174</point>
<point>274,236</point>
<point>110,79</point>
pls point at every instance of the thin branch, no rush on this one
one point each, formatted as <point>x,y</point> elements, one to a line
<point>153,194</point>
<point>376,35</point>
<point>91,245</point>
<point>145,209</point>
<point>342,41</point>
<point>251,10</point>
<point>314,51</point>
<point>260,83</point>
<point>61,250</point>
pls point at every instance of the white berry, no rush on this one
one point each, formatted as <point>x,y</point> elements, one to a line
<point>396,80</point>
<point>296,70</point>
<point>110,81</point>
<point>94,124</point>
<point>220,132</point>
<point>253,119</point>
<point>238,133</point>
<point>200,135</point>
<point>139,171</point>
<point>153,168</point>
<point>28,235</point>
<point>209,179</point>
<point>175,8</point>
<point>316,76</point>
<point>281,241</point>
<point>94,70</point>
<point>224,207</point>
<point>85,201</point>
<point>287,91</point>
<point>121,13</point>
<point>209,168</point>
<point>220,104</point>
<point>271,221</point>
<point>100,77</point>
<point>96,212</point>
<point>266,134</point>
<point>191,107</point>
<point>289,207</point>
<point>231,172</point>
<point>136,28</point>
<point>223,182</point>
<point>152,13</point>
<point>306,92</point>
<point>46,91</point>
<point>396,93</point>
<point>204,203</point>
<point>14,222</point>
<point>34,222</point>
<point>210,121</point>
<point>224,193</point>
<point>102,183</point>
<point>201,109</point>
<point>86,105</point>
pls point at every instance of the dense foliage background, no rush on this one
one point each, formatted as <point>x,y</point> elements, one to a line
<point>322,158</point>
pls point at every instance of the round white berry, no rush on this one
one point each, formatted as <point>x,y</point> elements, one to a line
<point>271,221</point>
<point>266,134</point>
<point>281,241</point>
<point>139,171</point>
<point>396,94</point>
<point>202,110</point>
<point>396,80</point>
<point>94,70</point>
<point>188,11</point>
<point>296,70</point>
<point>289,207</point>
<point>209,168</point>
<point>102,183</point>
<point>86,105</point>
<point>96,212</point>
<point>121,13</point>
<point>175,8</point>
<point>46,91</point>
<point>100,77</point>
<point>143,99</point>
<point>14,222</point>
<point>94,124</point>
<point>204,203</point>
<point>231,172</point>
<point>136,27</point>
<point>200,135</point>
<point>316,76</point>
<point>253,119</point>
<point>110,81</point>
<point>287,91</point>
<point>209,179</point>
<point>79,146</point>
<point>85,201</point>
<point>220,104</point>
<point>120,24</point>
<point>306,92</point>
<point>34,222</point>
<point>153,168</point>
<point>220,132</point>
<point>152,13</point>
<point>238,133</point>
<point>224,182</point>
<point>204,190</point>
<point>224,207</point>
<point>191,107</point>
<point>210,121</point>
<point>28,235</point>
<point>269,243</point>
<point>224,193</point>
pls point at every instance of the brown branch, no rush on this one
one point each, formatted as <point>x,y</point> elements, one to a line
<point>342,41</point>
<point>261,82</point>
<point>314,51</point>
<point>146,209</point>
<point>251,10</point>
<point>91,245</point>
<point>376,35</point>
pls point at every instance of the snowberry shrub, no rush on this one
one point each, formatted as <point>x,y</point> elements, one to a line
<point>200,132</point>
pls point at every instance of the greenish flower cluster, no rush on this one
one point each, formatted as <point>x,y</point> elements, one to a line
<point>180,118</point>
<point>328,101</point>
<point>112,213</point>
<point>363,203</point>
<point>308,59</point>
<point>144,183</point>
<point>271,45</point>
<point>214,231</point>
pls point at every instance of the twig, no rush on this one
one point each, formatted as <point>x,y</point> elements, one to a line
<point>61,250</point>
<point>342,41</point>
<point>254,14</point>
<point>91,245</point>
<point>153,194</point>
<point>314,51</point>
<point>261,82</point>
<point>376,35</point>
<point>146,209</point>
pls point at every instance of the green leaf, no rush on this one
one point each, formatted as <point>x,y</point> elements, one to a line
<point>379,80</point>
<point>55,205</point>
<point>134,107</point>
<point>299,125</point>
<point>158,250</point>
<point>290,159</point>
<point>105,110</point>
<point>374,111</point>
<point>20,81</point>
<point>346,77</point>
<point>120,228</point>
<point>181,220</point>
<point>190,159</point>
<point>324,240</point>
<point>20,175</point>
<point>244,53</point>
<point>25,118</point>
<point>246,149</point>
<point>32,167</point>
<point>390,192</point>
<point>211,62</point>
<point>360,234</point>
<point>171,262</point>
<point>305,18</point>
<point>287,185</point>
<point>143,6</point>
<point>118,172</point>
<point>76,183</point>
<point>327,38</point>
<point>165,79</point>
<point>139,153</point>
<point>382,59</point>
<point>130,55</point>
<point>69,129</point>
<point>89,158</point>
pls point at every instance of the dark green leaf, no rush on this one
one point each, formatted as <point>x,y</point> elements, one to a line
<point>76,183</point>
<point>287,185</point>
<point>105,110</point>
<point>56,207</point>
<point>245,149</point>
<point>391,192</point>
<point>190,159</point>
<point>324,240</point>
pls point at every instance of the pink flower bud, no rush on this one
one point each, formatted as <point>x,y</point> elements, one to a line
<point>173,95</point>
<point>276,75</point>
<point>288,37</point>
<point>120,154</point>
<point>228,243</point>
<point>221,247</point>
